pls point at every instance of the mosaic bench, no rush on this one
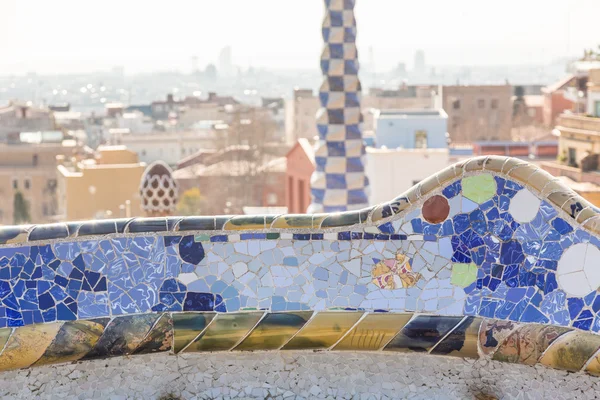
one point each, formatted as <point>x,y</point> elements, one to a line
<point>491,258</point>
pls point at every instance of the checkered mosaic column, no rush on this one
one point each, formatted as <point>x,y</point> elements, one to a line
<point>339,182</point>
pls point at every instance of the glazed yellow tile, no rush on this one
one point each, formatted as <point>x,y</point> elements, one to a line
<point>323,330</point>
<point>274,330</point>
<point>187,327</point>
<point>27,344</point>
<point>571,351</point>
<point>225,332</point>
<point>300,221</point>
<point>245,223</point>
<point>374,331</point>
<point>73,341</point>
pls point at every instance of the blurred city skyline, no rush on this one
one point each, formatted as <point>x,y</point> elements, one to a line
<point>65,36</point>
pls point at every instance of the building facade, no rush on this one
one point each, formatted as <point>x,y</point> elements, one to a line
<point>300,166</point>
<point>305,104</point>
<point>392,172</point>
<point>410,129</point>
<point>16,118</point>
<point>304,115</point>
<point>555,102</point>
<point>104,187</point>
<point>478,112</point>
<point>169,147</point>
<point>31,170</point>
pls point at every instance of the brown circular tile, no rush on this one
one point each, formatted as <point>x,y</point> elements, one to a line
<point>436,209</point>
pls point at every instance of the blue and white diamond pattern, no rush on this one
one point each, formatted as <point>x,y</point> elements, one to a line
<point>339,182</point>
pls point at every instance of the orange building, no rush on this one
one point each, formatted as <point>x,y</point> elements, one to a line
<point>300,166</point>
<point>555,101</point>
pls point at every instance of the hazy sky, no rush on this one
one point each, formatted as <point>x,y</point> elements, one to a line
<point>145,35</point>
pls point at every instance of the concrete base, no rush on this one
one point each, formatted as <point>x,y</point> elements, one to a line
<point>295,375</point>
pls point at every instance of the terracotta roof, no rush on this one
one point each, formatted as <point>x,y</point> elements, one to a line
<point>306,147</point>
<point>559,85</point>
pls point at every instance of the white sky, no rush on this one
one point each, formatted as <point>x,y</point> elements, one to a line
<point>59,36</point>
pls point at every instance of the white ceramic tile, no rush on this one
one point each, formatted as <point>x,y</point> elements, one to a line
<point>524,206</point>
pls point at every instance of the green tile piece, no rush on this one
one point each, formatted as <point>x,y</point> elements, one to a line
<point>273,235</point>
<point>202,238</point>
<point>463,274</point>
<point>479,188</point>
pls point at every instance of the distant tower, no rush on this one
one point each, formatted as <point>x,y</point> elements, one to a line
<point>225,65</point>
<point>194,64</point>
<point>158,190</point>
<point>339,182</point>
<point>420,61</point>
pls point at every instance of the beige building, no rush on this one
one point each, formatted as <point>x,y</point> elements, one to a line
<point>104,187</point>
<point>579,137</point>
<point>169,147</point>
<point>305,106</point>
<point>189,117</point>
<point>478,113</point>
<point>578,161</point>
<point>31,169</point>
<point>304,115</point>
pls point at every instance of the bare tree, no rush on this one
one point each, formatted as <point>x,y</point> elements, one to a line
<point>246,148</point>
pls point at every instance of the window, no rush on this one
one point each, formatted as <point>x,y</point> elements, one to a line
<point>456,104</point>
<point>301,205</point>
<point>494,104</point>
<point>34,160</point>
<point>572,160</point>
<point>481,103</point>
<point>27,184</point>
<point>420,140</point>
<point>15,184</point>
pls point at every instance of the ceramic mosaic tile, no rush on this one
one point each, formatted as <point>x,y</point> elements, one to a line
<point>339,182</point>
<point>472,267</point>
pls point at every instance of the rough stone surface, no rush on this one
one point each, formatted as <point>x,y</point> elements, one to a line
<point>288,375</point>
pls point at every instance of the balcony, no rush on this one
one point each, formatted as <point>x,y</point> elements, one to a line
<point>578,125</point>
